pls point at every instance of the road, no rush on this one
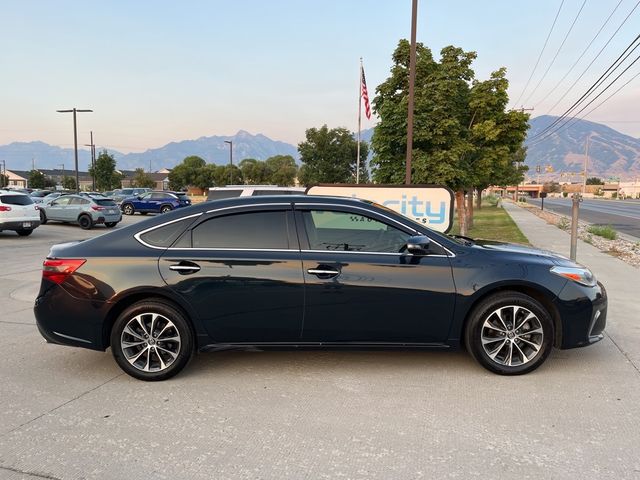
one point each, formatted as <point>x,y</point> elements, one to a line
<point>622,215</point>
<point>68,413</point>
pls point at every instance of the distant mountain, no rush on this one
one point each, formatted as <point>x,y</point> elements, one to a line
<point>611,153</point>
<point>19,155</point>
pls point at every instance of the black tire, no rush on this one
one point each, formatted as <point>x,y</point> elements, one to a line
<point>24,233</point>
<point>110,224</point>
<point>43,217</point>
<point>166,208</point>
<point>530,344</point>
<point>143,213</point>
<point>128,209</point>
<point>137,354</point>
<point>85,222</point>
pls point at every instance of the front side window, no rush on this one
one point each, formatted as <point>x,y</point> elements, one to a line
<point>255,230</point>
<point>342,231</point>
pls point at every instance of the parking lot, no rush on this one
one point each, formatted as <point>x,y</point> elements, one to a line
<point>68,413</point>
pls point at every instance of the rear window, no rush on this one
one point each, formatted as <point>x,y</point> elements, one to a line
<point>16,199</point>
<point>105,202</point>
<point>167,234</point>
<point>220,194</point>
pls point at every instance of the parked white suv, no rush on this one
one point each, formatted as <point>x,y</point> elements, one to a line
<point>18,212</point>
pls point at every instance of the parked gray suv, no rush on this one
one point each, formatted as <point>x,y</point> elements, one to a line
<point>85,210</point>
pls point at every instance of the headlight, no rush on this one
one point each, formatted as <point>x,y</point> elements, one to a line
<point>580,275</point>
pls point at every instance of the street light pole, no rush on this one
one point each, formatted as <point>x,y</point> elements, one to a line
<point>230,142</point>
<point>586,160</point>
<point>93,162</point>
<point>75,139</point>
<point>412,82</point>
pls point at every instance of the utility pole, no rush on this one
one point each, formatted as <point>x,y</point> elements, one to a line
<point>3,172</point>
<point>586,160</point>
<point>93,162</point>
<point>75,139</point>
<point>230,142</point>
<point>521,110</point>
<point>412,83</point>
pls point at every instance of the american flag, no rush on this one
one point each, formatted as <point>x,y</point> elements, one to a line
<point>365,94</point>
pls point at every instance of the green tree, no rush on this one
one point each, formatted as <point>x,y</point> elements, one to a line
<point>329,156</point>
<point>4,180</point>
<point>104,172</point>
<point>255,172</point>
<point>142,180</point>
<point>187,173</point>
<point>463,138</point>
<point>68,183</point>
<point>282,170</point>
<point>36,179</point>
<point>594,181</point>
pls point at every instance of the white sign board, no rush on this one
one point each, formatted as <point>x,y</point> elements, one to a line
<point>431,205</point>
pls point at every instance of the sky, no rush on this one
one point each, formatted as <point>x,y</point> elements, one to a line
<point>162,71</point>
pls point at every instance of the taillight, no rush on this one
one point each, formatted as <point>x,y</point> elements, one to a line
<point>4,208</point>
<point>96,207</point>
<point>60,269</point>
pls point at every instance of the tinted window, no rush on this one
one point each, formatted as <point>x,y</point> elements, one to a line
<point>243,230</point>
<point>78,201</point>
<point>220,194</point>
<point>165,236</point>
<point>156,196</point>
<point>105,202</point>
<point>16,199</point>
<point>330,230</point>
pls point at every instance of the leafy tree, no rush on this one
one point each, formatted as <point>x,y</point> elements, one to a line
<point>68,183</point>
<point>36,179</point>
<point>282,170</point>
<point>186,173</point>
<point>255,172</point>
<point>104,172</point>
<point>4,180</point>
<point>142,180</point>
<point>463,137</point>
<point>594,181</point>
<point>329,156</point>
<point>551,187</point>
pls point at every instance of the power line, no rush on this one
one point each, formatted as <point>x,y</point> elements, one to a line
<point>591,89</point>
<point>541,52</point>
<point>557,52</point>
<point>581,55</point>
<point>594,58</point>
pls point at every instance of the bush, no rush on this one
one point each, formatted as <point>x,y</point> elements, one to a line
<point>565,194</point>
<point>605,231</point>
<point>492,200</point>
<point>563,223</point>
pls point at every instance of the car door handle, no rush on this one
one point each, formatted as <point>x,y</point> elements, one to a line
<point>185,268</point>
<point>324,271</point>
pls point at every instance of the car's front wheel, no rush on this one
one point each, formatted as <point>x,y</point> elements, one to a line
<point>127,209</point>
<point>510,333</point>
<point>152,340</point>
<point>110,224</point>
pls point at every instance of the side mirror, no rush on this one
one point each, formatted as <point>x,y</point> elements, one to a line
<point>418,245</point>
<point>139,197</point>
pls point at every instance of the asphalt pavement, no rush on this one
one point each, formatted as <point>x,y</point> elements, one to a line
<point>68,413</point>
<point>622,215</point>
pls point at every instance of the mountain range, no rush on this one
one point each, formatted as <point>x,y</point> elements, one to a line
<point>611,153</point>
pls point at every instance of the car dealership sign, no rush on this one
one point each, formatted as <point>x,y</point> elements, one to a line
<point>431,205</point>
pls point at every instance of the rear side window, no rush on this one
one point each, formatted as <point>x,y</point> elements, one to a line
<point>16,199</point>
<point>105,203</point>
<point>255,230</point>
<point>220,194</point>
<point>167,234</point>
<point>78,201</point>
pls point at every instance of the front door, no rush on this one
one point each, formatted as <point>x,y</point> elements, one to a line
<point>362,288</point>
<point>241,272</point>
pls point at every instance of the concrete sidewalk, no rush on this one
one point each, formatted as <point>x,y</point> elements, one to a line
<point>621,280</point>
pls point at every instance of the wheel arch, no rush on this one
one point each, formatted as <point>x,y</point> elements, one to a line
<point>543,296</point>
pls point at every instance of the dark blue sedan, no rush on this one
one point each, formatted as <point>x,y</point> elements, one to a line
<point>155,202</point>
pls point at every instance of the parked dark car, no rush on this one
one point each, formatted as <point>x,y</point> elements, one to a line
<point>155,202</point>
<point>310,272</point>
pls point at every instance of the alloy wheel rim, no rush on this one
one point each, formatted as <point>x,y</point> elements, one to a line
<point>512,336</point>
<point>150,342</point>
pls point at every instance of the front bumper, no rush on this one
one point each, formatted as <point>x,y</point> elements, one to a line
<point>583,314</point>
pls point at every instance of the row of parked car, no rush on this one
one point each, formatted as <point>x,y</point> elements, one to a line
<point>23,211</point>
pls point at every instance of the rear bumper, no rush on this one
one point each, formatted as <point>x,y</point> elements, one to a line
<point>20,224</point>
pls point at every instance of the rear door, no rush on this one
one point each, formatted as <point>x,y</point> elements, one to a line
<point>240,269</point>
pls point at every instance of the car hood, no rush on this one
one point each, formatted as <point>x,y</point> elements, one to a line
<point>490,245</point>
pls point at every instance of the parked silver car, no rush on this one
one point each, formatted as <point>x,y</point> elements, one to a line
<point>84,210</point>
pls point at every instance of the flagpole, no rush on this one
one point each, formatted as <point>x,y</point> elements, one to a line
<point>359,122</point>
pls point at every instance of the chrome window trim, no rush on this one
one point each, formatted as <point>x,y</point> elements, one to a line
<point>451,254</point>
<point>225,249</point>
<point>399,254</point>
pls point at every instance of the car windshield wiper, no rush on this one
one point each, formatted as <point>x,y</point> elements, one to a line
<point>465,240</point>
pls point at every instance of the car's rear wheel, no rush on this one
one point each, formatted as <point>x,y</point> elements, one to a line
<point>24,233</point>
<point>85,222</point>
<point>152,340</point>
<point>110,224</point>
<point>43,217</point>
<point>166,208</point>
<point>127,209</point>
<point>510,333</point>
